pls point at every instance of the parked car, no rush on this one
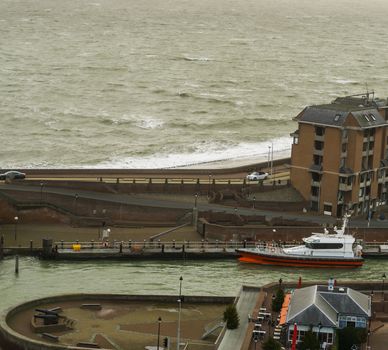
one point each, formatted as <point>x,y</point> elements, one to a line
<point>12,175</point>
<point>257,175</point>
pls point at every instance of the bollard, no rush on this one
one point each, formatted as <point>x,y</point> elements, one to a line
<point>245,243</point>
<point>202,243</point>
<point>162,248</point>
<point>92,243</point>
<point>129,244</point>
<point>121,247</point>
<point>16,264</point>
<point>144,244</point>
<point>62,244</point>
<point>31,245</point>
<point>183,248</point>
<point>173,243</point>
<point>158,243</point>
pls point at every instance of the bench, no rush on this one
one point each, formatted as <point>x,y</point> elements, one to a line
<point>88,345</point>
<point>91,306</point>
<point>51,337</point>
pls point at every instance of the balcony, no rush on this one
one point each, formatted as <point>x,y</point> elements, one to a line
<point>368,138</point>
<point>344,154</point>
<point>319,137</point>
<point>345,187</point>
<point>367,153</point>
<point>314,198</point>
<point>315,183</point>
<point>318,152</point>
<point>316,168</point>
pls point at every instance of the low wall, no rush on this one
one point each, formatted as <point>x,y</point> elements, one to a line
<point>10,339</point>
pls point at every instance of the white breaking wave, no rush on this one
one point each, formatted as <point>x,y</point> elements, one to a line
<point>208,154</point>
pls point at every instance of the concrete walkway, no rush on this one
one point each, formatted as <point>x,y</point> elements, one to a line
<point>234,338</point>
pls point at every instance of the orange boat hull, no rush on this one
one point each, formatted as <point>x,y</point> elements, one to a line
<point>299,261</point>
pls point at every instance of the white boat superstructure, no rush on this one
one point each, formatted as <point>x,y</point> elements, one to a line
<point>336,249</point>
<point>336,245</point>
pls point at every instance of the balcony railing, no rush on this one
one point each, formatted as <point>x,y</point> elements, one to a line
<point>345,187</point>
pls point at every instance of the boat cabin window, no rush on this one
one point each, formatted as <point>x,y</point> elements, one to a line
<point>324,245</point>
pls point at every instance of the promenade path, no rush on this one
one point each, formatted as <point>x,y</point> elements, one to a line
<point>234,338</point>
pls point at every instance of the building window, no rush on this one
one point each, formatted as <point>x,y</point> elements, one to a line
<point>317,159</point>
<point>316,177</point>
<point>329,338</point>
<point>327,208</point>
<point>319,131</point>
<point>318,145</point>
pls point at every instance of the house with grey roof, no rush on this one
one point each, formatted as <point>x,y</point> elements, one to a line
<point>324,309</point>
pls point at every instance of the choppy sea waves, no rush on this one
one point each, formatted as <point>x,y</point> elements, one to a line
<point>150,84</point>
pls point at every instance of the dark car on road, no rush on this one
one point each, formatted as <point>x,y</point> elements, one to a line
<point>12,175</point>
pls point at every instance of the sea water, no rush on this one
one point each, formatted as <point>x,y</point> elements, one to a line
<point>150,84</point>
<point>40,278</point>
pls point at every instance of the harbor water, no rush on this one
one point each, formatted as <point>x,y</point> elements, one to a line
<point>145,84</point>
<point>39,278</point>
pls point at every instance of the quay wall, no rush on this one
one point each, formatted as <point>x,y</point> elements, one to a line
<point>286,233</point>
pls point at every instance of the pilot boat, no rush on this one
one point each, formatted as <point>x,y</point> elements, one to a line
<point>336,249</point>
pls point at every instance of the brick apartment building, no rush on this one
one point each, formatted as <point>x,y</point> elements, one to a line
<point>339,158</point>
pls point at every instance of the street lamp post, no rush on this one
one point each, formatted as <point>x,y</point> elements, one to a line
<point>269,157</point>
<point>196,199</point>
<point>319,330</point>
<point>16,227</point>
<point>159,322</point>
<point>178,338</point>
<point>75,203</point>
<point>208,190</point>
<point>41,192</point>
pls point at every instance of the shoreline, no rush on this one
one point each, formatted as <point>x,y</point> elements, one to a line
<point>233,162</point>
